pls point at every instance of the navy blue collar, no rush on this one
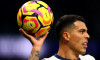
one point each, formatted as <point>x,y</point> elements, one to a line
<point>59,57</point>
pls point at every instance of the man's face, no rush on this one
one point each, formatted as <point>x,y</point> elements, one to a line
<point>79,38</point>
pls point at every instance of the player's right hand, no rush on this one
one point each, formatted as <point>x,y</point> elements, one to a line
<point>37,43</point>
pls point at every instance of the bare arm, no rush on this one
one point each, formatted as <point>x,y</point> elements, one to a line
<point>37,44</point>
<point>34,54</point>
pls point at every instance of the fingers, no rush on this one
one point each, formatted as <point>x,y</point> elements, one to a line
<point>24,33</point>
<point>31,38</point>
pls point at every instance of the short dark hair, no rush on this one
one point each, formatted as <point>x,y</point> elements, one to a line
<point>66,21</point>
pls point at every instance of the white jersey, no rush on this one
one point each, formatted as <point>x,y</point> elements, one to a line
<point>81,57</point>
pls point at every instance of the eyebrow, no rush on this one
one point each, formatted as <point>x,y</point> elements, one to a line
<point>84,29</point>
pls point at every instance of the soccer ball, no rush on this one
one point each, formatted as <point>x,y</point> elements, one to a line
<point>35,17</point>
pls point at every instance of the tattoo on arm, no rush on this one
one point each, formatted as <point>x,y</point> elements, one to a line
<point>37,53</point>
<point>34,55</point>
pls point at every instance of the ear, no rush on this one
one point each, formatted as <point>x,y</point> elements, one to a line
<point>66,36</point>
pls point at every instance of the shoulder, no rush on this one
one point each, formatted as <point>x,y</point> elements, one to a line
<point>86,57</point>
<point>51,58</point>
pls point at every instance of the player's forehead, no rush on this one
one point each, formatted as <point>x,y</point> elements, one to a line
<point>80,25</point>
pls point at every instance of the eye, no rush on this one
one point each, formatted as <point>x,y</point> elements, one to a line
<point>82,31</point>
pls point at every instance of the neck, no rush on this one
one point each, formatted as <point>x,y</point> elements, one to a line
<point>65,52</point>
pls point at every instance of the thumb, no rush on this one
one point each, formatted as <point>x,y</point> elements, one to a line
<point>44,36</point>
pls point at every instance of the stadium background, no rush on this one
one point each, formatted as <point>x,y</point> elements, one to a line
<point>13,46</point>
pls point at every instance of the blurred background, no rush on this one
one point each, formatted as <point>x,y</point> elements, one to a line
<point>13,46</point>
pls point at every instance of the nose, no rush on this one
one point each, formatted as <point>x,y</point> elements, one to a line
<point>87,36</point>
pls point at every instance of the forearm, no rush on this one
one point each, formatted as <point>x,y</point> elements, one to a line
<point>35,53</point>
